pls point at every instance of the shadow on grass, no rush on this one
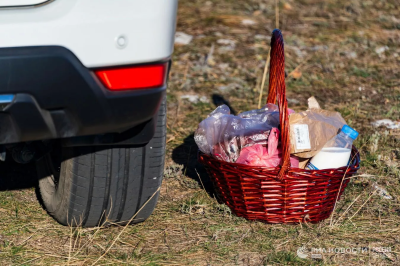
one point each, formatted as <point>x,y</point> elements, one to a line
<point>220,100</point>
<point>186,154</point>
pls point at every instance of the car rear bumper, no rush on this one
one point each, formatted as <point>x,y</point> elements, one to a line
<point>55,96</point>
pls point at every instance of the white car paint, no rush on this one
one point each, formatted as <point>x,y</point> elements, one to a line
<point>99,32</point>
<point>21,2</point>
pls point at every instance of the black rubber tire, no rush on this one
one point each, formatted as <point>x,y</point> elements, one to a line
<point>101,185</point>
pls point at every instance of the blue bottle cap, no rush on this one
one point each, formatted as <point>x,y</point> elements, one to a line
<point>350,132</point>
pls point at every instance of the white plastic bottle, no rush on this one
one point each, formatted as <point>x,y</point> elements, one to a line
<point>336,152</point>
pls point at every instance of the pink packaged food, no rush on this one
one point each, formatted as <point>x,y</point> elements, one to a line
<point>271,156</point>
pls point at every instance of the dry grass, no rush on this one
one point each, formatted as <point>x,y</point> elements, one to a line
<point>332,46</point>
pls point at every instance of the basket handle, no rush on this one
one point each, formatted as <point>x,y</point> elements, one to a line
<point>277,90</point>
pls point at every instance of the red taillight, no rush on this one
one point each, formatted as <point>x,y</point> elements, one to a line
<point>133,77</point>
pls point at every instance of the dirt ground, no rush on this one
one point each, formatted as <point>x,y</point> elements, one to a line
<point>345,53</point>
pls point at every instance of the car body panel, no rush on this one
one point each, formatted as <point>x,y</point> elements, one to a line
<point>48,94</point>
<point>22,3</point>
<point>92,29</point>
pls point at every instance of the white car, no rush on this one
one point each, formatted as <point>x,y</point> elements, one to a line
<point>82,93</point>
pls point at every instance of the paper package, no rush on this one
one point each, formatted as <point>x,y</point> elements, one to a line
<point>310,130</point>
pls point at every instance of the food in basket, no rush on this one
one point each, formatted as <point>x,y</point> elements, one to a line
<point>223,135</point>
<point>336,152</point>
<point>312,129</point>
<point>283,194</point>
<point>270,156</point>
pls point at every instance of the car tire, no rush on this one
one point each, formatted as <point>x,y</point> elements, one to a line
<point>101,185</point>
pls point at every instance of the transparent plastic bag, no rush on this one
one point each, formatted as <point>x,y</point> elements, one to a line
<point>223,135</point>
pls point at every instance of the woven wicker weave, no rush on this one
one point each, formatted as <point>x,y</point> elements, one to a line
<point>282,194</point>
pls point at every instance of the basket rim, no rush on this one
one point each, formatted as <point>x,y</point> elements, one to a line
<point>354,166</point>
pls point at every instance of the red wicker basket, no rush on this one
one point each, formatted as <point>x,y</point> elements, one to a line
<point>282,194</point>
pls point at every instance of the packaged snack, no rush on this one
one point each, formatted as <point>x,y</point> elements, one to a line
<point>260,155</point>
<point>223,135</point>
<point>310,130</point>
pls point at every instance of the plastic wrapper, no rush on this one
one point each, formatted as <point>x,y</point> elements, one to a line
<point>270,156</point>
<point>223,135</point>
